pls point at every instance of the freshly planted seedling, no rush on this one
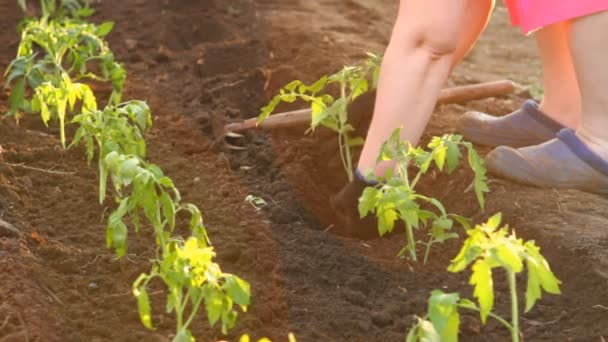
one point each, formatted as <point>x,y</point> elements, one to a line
<point>328,111</point>
<point>51,51</point>
<point>395,198</point>
<point>55,54</point>
<point>115,129</point>
<point>488,247</point>
<point>152,194</point>
<point>192,280</point>
<point>62,8</point>
<point>54,101</point>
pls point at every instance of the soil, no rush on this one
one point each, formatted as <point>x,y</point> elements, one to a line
<point>202,63</point>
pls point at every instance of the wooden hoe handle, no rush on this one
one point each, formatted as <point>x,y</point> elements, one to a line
<point>449,95</point>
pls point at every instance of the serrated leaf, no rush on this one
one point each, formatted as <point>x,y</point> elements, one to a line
<point>540,276</point>
<point>368,201</point>
<point>386,220</point>
<point>480,181</point>
<point>481,278</point>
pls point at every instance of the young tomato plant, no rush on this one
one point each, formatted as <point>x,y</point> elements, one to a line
<point>488,247</point>
<point>54,100</point>
<point>115,129</point>
<point>394,197</point>
<point>185,267</point>
<point>192,280</point>
<point>62,8</point>
<point>152,194</point>
<point>330,112</point>
<point>52,51</point>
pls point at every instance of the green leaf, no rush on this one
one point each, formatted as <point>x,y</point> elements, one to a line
<point>319,114</point>
<point>540,276</point>
<point>439,155</point>
<point>480,181</point>
<point>318,85</point>
<point>214,305</point>
<point>481,278</point>
<point>238,289</point>
<point>494,221</point>
<point>17,96</point>
<point>410,217</point>
<point>105,28</point>
<point>443,313</point>
<point>84,12</point>
<point>368,201</point>
<point>143,307</point>
<point>386,220</point>
<point>463,221</point>
<point>168,209</point>
<point>452,155</point>
<point>509,257</point>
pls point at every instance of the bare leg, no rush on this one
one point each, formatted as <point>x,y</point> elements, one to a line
<point>424,45</point>
<point>571,160</point>
<point>589,36</point>
<point>534,124</point>
<point>562,99</point>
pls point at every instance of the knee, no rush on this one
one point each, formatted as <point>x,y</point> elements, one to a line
<point>437,37</point>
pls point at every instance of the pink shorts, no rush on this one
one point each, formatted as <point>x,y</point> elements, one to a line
<point>531,15</point>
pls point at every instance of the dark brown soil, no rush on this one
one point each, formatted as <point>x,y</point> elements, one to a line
<point>201,63</point>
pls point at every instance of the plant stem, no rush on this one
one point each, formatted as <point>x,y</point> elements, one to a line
<point>349,172</point>
<point>514,307</point>
<point>343,138</point>
<point>428,249</point>
<point>411,245</point>
<point>179,310</point>
<point>193,312</point>
<point>349,159</point>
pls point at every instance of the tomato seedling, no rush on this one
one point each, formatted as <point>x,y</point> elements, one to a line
<point>328,111</point>
<point>192,280</point>
<point>152,194</point>
<point>488,247</point>
<point>117,128</point>
<point>54,56</point>
<point>394,198</point>
<point>62,8</point>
